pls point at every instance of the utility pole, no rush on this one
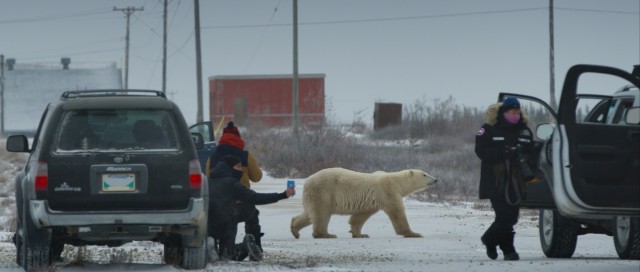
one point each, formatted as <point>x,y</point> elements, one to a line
<point>552,77</point>
<point>164,49</point>
<point>196,9</point>
<point>295,67</point>
<point>127,11</point>
<point>1,95</point>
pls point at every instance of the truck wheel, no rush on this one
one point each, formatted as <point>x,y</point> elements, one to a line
<point>36,243</point>
<point>558,234</point>
<point>626,237</point>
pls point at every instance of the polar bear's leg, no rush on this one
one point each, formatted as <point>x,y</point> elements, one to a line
<point>357,221</point>
<point>320,222</point>
<point>398,218</point>
<point>299,222</point>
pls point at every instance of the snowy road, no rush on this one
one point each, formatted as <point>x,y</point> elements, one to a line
<point>450,243</point>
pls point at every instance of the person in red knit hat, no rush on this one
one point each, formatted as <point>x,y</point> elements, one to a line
<point>231,143</point>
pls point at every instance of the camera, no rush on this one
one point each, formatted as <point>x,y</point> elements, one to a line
<point>527,174</point>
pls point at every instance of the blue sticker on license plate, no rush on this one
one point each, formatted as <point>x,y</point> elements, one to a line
<point>120,182</point>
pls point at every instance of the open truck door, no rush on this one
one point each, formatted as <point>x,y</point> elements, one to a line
<point>596,162</point>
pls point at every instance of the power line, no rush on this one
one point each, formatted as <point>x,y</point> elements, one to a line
<point>420,17</point>
<point>61,16</point>
<point>599,10</point>
<point>74,54</point>
<point>255,50</point>
<point>386,19</point>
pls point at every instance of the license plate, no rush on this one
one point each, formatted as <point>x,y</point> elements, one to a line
<point>120,182</point>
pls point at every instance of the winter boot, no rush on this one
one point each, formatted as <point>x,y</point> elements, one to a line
<point>254,248</point>
<point>241,251</point>
<point>212,251</point>
<point>490,242</point>
<point>506,245</point>
<point>228,253</point>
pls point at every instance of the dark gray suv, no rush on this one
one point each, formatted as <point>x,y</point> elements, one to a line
<point>107,167</point>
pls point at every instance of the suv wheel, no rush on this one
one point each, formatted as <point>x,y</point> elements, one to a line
<point>35,243</point>
<point>184,257</point>
<point>194,257</point>
<point>626,237</point>
<point>18,234</point>
<point>558,234</point>
<point>18,243</point>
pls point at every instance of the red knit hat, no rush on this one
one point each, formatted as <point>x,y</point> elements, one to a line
<point>231,129</point>
<point>231,136</point>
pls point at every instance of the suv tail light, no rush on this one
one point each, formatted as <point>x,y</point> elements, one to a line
<point>195,176</point>
<point>41,179</point>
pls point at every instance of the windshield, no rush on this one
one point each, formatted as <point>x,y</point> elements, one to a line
<point>116,130</point>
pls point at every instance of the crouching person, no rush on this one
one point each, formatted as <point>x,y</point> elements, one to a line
<point>230,202</point>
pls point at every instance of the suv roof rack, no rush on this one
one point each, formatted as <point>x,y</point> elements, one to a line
<point>114,92</point>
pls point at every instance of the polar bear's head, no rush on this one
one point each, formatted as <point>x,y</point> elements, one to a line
<point>418,180</point>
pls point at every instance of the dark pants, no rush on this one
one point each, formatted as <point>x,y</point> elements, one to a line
<point>248,214</point>
<point>506,215</point>
<point>501,232</point>
<point>224,230</point>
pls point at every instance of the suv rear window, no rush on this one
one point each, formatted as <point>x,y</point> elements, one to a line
<point>116,130</point>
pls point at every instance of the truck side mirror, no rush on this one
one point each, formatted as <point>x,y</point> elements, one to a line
<point>17,143</point>
<point>544,131</point>
<point>633,116</point>
<point>198,140</point>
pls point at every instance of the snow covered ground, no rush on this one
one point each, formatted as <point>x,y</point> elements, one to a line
<point>451,243</point>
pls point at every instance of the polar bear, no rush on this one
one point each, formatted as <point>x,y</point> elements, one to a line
<point>341,191</point>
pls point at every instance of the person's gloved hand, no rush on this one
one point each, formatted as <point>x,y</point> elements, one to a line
<point>510,152</point>
<point>291,191</point>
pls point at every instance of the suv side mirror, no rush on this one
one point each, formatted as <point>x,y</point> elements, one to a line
<point>544,131</point>
<point>633,116</point>
<point>198,140</point>
<point>17,143</point>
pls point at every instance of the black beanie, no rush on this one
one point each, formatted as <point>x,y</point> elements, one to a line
<point>230,160</point>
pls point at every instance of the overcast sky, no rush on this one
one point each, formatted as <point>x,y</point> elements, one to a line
<point>370,50</point>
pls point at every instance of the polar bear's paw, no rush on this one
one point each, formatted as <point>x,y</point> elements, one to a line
<point>295,231</point>
<point>361,235</point>
<point>326,235</point>
<point>412,235</point>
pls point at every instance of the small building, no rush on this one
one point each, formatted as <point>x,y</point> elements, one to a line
<point>29,87</point>
<point>266,99</point>
<point>387,115</point>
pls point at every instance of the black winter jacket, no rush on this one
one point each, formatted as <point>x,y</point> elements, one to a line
<point>225,190</point>
<point>491,141</point>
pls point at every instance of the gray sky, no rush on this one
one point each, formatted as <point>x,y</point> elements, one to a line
<point>370,50</point>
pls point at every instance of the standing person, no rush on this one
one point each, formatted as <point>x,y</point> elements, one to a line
<point>231,143</point>
<point>225,212</point>
<point>500,144</point>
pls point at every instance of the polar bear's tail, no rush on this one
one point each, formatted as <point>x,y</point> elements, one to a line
<point>299,222</point>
